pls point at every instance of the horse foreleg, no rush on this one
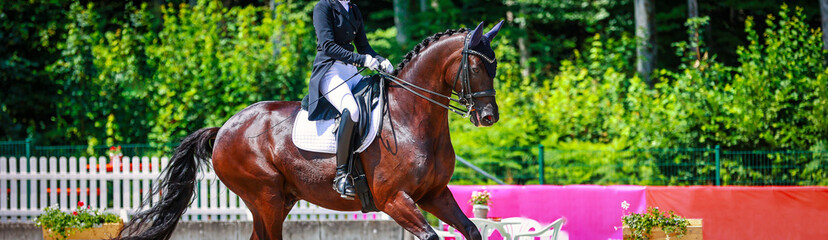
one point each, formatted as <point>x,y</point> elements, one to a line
<point>444,207</point>
<point>402,209</point>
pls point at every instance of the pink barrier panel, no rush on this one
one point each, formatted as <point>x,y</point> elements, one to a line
<point>749,212</point>
<point>591,212</point>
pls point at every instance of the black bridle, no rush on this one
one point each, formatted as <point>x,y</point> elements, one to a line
<point>465,96</point>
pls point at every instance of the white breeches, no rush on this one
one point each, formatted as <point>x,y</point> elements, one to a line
<point>341,97</point>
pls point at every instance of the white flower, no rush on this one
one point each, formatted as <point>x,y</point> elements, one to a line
<point>625,205</point>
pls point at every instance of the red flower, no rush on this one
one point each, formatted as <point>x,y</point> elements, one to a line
<point>112,148</point>
<point>75,213</point>
<point>80,204</point>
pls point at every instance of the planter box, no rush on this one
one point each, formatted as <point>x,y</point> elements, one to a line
<point>105,231</point>
<point>694,231</point>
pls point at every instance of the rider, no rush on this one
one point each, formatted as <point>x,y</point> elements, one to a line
<point>338,24</point>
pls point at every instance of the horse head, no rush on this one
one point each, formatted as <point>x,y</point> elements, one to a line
<point>482,68</point>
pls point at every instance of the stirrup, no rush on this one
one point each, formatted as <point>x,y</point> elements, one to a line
<point>344,187</point>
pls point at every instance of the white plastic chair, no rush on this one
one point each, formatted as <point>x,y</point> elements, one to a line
<point>529,228</point>
<point>450,232</point>
<point>487,228</point>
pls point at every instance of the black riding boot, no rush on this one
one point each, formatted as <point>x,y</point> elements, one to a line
<point>342,183</point>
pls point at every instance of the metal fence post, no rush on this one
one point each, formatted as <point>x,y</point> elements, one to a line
<point>540,163</point>
<point>718,167</point>
<point>28,147</point>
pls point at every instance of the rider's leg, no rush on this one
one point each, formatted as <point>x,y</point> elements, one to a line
<point>342,184</point>
<point>340,96</point>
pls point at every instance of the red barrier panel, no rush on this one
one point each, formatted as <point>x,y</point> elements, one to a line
<point>749,212</point>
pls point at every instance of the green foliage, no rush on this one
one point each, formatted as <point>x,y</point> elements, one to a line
<point>642,224</point>
<point>774,100</point>
<point>783,81</point>
<point>295,50</point>
<point>29,33</point>
<point>62,224</point>
<point>591,163</point>
<point>112,73</point>
<point>155,76</point>
<point>84,102</point>
<point>768,102</point>
<point>383,41</point>
<point>582,103</point>
<point>209,63</point>
<point>589,15</point>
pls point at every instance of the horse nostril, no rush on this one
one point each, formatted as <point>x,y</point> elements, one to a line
<point>489,119</point>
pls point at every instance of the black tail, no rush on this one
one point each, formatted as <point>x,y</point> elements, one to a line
<point>177,183</point>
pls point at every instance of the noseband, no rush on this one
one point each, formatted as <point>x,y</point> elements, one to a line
<point>465,96</point>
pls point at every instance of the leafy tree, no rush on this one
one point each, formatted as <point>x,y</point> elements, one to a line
<point>29,32</point>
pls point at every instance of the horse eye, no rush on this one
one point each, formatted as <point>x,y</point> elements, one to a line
<point>475,69</point>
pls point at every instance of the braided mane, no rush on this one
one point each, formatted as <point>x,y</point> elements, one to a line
<point>413,53</point>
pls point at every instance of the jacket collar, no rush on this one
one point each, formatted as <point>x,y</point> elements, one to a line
<point>349,15</point>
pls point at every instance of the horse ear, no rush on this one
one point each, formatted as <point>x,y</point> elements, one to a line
<point>476,35</point>
<point>492,33</point>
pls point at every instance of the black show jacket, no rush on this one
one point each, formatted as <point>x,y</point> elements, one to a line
<point>336,28</point>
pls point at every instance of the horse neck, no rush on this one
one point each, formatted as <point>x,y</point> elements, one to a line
<point>427,70</point>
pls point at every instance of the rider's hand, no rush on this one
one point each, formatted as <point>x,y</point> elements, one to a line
<point>371,63</point>
<point>386,66</point>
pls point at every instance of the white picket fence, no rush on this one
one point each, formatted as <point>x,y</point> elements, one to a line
<point>28,185</point>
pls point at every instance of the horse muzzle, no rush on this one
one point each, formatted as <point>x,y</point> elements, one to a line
<point>487,116</point>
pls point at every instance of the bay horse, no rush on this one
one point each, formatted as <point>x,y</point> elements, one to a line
<point>409,164</point>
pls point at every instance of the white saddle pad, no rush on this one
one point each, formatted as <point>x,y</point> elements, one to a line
<point>318,136</point>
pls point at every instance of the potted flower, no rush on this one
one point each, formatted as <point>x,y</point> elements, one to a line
<point>82,223</point>
<point>656,224</point>
<point>115,152</point>
<point>480,201</point>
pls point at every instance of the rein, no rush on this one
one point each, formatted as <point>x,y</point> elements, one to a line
<point>465,96</point>
<point>403,83</point>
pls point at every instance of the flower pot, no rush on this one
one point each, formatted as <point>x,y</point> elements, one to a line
<point>694,232</point>
<point>104,231</point>
<point>480,211</point>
